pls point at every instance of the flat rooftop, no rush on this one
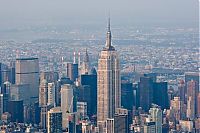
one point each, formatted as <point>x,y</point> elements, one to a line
<point>32,58</point>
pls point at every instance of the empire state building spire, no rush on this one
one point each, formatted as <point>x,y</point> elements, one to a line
<point>108,83</point>
<point>108,38</point>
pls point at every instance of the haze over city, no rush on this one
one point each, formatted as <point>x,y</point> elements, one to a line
<point>107,66</point>
<point>22,15</point>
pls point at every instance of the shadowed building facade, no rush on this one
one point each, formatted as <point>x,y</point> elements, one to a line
<point>27,72</point>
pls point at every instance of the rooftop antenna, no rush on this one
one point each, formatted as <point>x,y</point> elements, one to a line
<point>108,38</point>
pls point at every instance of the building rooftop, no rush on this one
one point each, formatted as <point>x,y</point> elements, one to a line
<point>55,110</point>
<point>32,58</point>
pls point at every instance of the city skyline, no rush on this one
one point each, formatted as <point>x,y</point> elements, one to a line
<point>62,70</point>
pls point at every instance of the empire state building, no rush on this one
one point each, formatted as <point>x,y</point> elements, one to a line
<point>109,85</point>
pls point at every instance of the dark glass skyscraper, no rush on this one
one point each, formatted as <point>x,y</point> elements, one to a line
<point>145,92</point>
<point>160,96</point>
<point>91,80</point>
<point>16,110</point>
<point>127,95</point>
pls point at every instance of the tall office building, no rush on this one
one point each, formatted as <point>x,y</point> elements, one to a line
<point>66,103</point>
<point>182,91</point>
<point>11,77</point>
<point>7,73</point>
<point>127,95</point>
<point>149,127</point>
<point>49,76</point>
<point>16,110</point>
<point>86,64</point>
<point>54,122</point>
<point>19,92</point>
<point>177,106</point>
<point>91,81</point>
<point>156,116</point>
<point>121,124</point>
<point>160,95</point>
<point>43,95</point>
<point>43,117</point>
<point>72,71</point>
<point>192,76</point>
<point>192,94</point>
<point>51,94</point>
<point>67,98</point>
<point>59,83</point>
<point>6,88</point>
<point>198,105</point>
<point>84,95</point>
<point>108,79</point>
<point>82,109</point>
<point>27,72</point>
<point>1,104</point>
<point>46,100</point>
<point>146,92</point>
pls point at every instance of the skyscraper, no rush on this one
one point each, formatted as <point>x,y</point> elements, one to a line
<point>160,96</point>
<point>182,91</point>
<point>177,106</point>
<point>146,92</point>
<point>19,92</point>
<point>49,76</point>
<point>149,127</point>
<point>72,71</point>
<point>16,110</point>
<point>27,72</point>
<point>82,109</point>
<point>84,95</point>
<point>91,81</point>
<point>198,105</point>
<point>66,103</point>
<point>121,124</point>
<point>51,94</point>
<point>108,80</point>
<point>192,94</point>
<point>192,76</point>
<point>43,95</point>
<point>127,95</point>
<point>86,64</point>
<point>156,116</point>
<point>55,120</point>
<point>1,104</point>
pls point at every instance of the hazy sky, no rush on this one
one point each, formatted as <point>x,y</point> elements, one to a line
<point>81,11</point>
